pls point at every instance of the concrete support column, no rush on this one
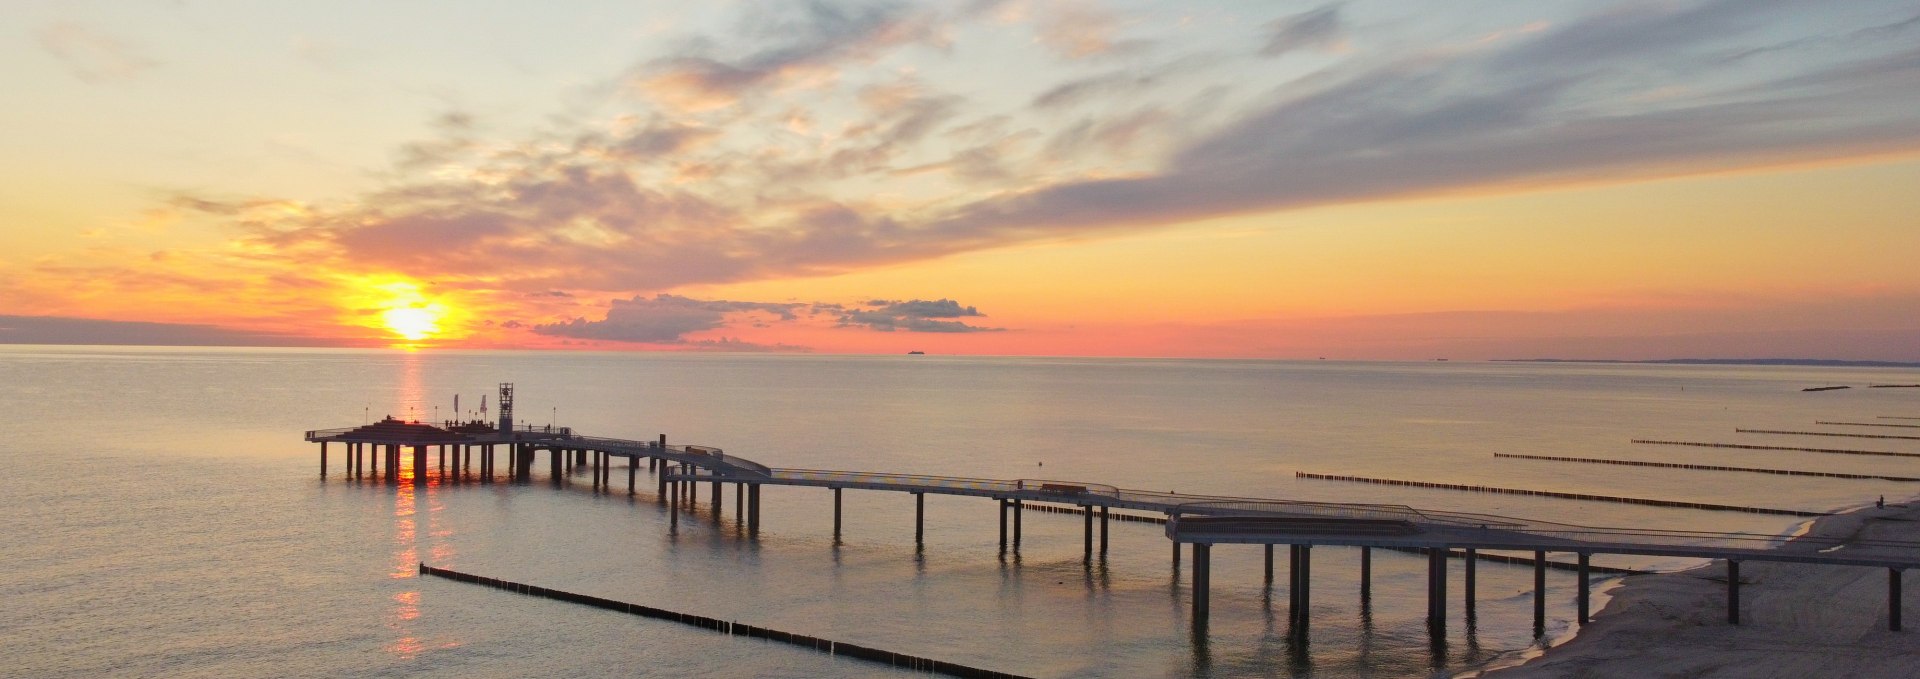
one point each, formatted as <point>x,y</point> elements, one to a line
<point>1437,591</point>
<point>1103,529</point>
<point>1202,564</point>
<point>716,499</point>
<point>1893,599</point>
<point>739,503</point>
<point>419,465</point>
<point>1293,584</point>
<point>633,472</point>
<point>557,462</point>
<point>919,520</point>
<point>323,459</point>
<point>1539,593</point>
<point>1003,526</point>
<point>1366,574</point>
<point>1582,597</point>
<point>836,515</point>
<point>673,509</point>
<point>753,508</point>
<point>1086,551</point>
<point>1303,579</point>
<point>1733,592</point>
<point>1016,526</point>
<point>1467,595</point>
<point>1269,550</point>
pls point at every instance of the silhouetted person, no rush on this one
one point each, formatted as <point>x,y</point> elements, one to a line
<point>1881,503</point>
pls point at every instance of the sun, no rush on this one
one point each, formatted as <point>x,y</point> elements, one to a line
<point>403,308</point>
<point>414,323</point>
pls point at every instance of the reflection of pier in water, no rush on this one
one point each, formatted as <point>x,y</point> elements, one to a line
<point>374,451</point>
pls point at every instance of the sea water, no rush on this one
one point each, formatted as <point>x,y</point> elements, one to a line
<point>164,517</point>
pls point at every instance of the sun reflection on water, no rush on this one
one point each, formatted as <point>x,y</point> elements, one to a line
<point>415,530</point>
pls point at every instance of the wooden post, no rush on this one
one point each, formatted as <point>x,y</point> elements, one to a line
<point>673,509</point>
<point>1733,594</point>
<point>836,514</point>
<point>1202,561</point>
<point>919,520</point>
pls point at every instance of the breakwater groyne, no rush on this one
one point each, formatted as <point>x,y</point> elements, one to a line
<point>1707,467</point>
<point>730,628</point>
<point>1556,494</point>
<point>1796,449</point>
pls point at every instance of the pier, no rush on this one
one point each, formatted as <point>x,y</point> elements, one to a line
<point>1197,523</point>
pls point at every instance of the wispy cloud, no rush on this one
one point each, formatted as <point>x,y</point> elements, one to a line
<point>94,56</point>
<point>1319,28</point>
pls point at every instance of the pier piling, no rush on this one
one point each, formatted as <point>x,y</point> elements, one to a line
<point>1104,512</point>
<point>1366,574</point>
<point>1893,599</point>
<point>1468,586</point>
<point>836,515</point>
<point>1539,593</point>
<point>919,520</point>
<point>1003,527</point>
<point>1733,594</point>
<point>1202,564</point>
<point>1086,551</point>
<point>1583,596</point>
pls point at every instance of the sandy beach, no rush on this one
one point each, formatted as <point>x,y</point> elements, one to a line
<point>1797,620</point>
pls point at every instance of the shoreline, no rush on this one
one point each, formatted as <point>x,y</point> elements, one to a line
<point>1797,620</point>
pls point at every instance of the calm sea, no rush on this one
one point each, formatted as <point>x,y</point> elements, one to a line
<point>164,518</point>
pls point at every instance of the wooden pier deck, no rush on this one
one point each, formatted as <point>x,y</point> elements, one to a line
<point>1197,521</point>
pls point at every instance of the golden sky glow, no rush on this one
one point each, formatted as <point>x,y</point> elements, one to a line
<point>1359,180</point>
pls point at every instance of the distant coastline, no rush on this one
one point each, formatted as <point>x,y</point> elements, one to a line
<point>1813,362</point>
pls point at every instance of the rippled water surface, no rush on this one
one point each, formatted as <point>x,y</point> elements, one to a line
<point>166,519</point>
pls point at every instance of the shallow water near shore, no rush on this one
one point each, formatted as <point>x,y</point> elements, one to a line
<point>167,519</point>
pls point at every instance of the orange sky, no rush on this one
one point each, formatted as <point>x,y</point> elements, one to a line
<point>1626,181</point>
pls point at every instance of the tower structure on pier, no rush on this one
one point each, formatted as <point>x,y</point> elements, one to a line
<point>506,406</point>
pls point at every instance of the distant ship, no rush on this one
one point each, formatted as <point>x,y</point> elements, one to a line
<point>916,353</point>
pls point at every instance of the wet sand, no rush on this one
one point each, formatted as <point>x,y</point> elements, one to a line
<point>1797,620</point>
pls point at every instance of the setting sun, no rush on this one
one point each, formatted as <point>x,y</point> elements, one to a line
<point>413,323</point>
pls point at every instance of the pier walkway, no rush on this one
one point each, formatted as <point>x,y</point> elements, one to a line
<point>1199,521</point>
